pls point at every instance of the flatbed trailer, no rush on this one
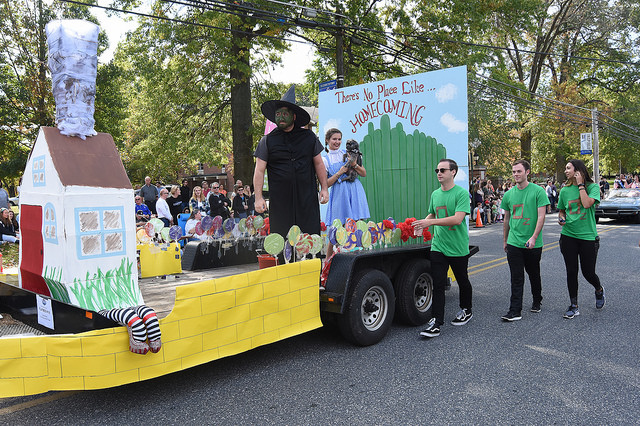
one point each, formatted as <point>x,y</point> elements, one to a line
<point>210,314</point>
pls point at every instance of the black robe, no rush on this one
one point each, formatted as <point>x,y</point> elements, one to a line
<point>293,190</point>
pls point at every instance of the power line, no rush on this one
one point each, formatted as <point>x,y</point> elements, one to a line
<point>281,20</point>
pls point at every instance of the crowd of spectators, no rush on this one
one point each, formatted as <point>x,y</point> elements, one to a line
<point>486,199</point>
<point>207,199</point>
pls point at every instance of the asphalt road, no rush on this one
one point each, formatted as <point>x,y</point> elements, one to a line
<point>541,370</point>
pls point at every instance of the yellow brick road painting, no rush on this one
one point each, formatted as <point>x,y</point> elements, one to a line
<point>210,320</point>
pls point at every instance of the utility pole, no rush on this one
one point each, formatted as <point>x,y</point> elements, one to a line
<point>339,53</point>
<point>596,145</point>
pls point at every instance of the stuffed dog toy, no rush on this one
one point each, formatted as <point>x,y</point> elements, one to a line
<point>353,154</point>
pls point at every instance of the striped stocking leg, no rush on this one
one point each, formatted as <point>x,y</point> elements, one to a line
<point>135,327</point>
<point>150,320</point>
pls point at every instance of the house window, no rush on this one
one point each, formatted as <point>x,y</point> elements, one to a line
<point>50,224</point>
<point>100,231</point>
<point>37,168</point>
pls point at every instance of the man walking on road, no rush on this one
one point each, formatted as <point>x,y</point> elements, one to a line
<point>525,207</point>
<point>448,208</point>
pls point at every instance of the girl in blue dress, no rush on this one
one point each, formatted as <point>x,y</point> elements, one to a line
<point>346,199</point>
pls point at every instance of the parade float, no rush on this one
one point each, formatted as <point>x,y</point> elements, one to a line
<point>235,286</point>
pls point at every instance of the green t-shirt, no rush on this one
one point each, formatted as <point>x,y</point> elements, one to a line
<point>522,205</point>
<point>581,222</point>
<point>450,240</point>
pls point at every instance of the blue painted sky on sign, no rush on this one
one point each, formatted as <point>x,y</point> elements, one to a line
<point>435,103</point>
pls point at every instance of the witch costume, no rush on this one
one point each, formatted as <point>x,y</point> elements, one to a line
<point>293,191</point>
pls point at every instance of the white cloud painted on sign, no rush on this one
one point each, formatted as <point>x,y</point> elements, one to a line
<point>461,177</point>
<point>446,93</point>
<point>331,124</point>
<point>452,124</point>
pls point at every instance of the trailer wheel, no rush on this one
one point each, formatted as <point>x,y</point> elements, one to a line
<point>414,292</point>
<point>369,311</point>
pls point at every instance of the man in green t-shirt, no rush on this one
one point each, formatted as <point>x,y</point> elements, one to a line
<point>525,206</point>
<point>448,208</point>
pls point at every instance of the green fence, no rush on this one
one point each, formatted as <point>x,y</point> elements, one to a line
<point>400,177</point>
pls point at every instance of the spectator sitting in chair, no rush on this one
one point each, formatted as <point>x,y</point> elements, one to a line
<point>190,227</point>
<point>14,222</point>
<point>7,231</point>
<point>143,214</point>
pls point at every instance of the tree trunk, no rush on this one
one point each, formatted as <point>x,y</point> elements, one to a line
<point>525,145</point>
<point>241,107</point>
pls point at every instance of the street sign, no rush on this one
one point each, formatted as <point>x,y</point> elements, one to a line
<point>328,85</point>
<point>585,143</point>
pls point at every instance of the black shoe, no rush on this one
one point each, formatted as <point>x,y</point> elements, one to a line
<point>432,329</point>
<point>462,317</point>
<point>535,307</point>
<point>511,316</point>
<point>600,298</point>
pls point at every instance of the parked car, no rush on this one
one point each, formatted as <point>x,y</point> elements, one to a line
<point>620,204</point>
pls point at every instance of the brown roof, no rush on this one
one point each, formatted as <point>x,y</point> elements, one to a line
<point>92,162</point>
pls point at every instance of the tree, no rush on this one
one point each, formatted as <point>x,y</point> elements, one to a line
<point>204,112</point>
<point>26,101</point>
<point>538,48</point>
<point>25,93</point>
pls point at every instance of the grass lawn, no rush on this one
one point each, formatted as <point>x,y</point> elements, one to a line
<point>9,255</point>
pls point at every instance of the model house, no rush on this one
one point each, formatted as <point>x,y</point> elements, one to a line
<point>77,222</point>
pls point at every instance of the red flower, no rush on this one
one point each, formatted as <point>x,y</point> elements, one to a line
<point>388,224</point>
<point>426,235</point>
<point>323,227</point>
<point>267,227</point>
<point>407,230</point>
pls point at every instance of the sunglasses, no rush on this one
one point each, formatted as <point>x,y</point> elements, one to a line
<point>441,170</point>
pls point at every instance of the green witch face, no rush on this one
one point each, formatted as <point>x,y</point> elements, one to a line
<point>284,118</point>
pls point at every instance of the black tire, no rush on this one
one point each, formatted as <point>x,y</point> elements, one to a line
<point>597,219</point>
<point>414,292</point>
<point>369,311</point>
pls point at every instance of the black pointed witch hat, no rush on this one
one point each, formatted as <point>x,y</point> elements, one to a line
<point>288,100</point>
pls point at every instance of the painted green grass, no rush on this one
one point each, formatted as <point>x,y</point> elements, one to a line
<point>53,279</point>
<point>102,290</point>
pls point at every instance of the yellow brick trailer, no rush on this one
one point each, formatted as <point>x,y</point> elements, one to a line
<point>211,314</point>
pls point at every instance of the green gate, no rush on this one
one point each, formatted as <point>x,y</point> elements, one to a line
<point>400,171</point>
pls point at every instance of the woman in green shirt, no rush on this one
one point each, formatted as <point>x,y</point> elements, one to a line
<point>576,205</point>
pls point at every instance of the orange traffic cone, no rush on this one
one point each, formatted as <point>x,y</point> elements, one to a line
<point>479,221</point>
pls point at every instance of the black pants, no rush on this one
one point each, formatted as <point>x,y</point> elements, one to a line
<point>439,268</point>
<point>572,249</point>
<point>152,206</point>
<point>522,259</point>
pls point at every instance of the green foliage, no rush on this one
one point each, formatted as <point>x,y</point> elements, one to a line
<point>26,101</point>
<point>167,97</point>
<point>182,85</point>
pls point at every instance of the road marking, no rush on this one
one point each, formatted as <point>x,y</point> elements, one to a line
<point>35,402</point>
<point>61,395</point>
<point>503,260</point>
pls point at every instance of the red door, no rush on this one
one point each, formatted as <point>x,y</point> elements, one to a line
<point>32,246</point>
